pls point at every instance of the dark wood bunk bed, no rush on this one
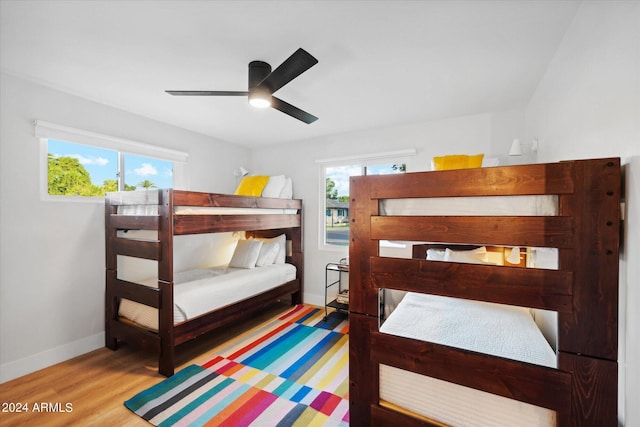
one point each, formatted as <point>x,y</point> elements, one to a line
<point>583,290</point>
<point>167,223</point>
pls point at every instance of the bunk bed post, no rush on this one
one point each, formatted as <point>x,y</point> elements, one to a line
<point>166,361</point>
<point>587,341</point>
<point>111,265</point>
<point>363,305</point>
<point>297,259</point>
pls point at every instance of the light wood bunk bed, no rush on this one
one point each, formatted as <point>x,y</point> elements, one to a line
<point>581,390</point>
<point>174,213</point>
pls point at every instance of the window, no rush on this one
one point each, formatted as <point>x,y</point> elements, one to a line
<point>82,170</point>
<point>144,172</point>
<point>94,164</point>
<point>335,191</point>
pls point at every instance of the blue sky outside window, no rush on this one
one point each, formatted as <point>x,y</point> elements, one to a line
<point>102,164</point>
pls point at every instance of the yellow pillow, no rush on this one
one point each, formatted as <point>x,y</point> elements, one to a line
<point>252,186</point>
<point>457,161</point>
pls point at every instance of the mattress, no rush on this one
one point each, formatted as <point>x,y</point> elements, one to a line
<point>488,328</point>
<point>454,405</point>
<point>485,327</point>
<point>146,203</point>
<point>200,291</point>
<point>148,210</point>
<point>543,205</point>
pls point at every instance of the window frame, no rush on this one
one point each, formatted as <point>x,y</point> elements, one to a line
<point>365,160</point>
<point>45,131</point>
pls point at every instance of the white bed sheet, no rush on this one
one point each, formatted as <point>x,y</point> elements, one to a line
<point>494,329</point>
<point>150,210</point>
<point>200,291</point>
<point>542,205</point>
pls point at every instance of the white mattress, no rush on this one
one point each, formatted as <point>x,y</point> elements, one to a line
<point>145,202</point>
<point>148,210</point>
<point>455,405</point>
<point>543,205</point>
<point>494,329</point>
<point>197,292</point>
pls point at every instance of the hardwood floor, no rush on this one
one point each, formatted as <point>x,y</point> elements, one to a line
<point>89,390</point>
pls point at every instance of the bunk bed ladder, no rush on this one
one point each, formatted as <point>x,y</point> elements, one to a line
<point>116,288</point>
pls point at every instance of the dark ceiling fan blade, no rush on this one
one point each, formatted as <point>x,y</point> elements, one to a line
<point>206,93</point>
<point>294,112</point>
<point>292,67</point>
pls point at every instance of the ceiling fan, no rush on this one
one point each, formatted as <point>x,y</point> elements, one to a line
<point>263,83</point>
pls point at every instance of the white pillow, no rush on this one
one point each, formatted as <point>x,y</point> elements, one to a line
<point>287,190</point>
<point>435,254</point>
<point>274,186</point>
<point>281,242</point>
<point>246,254</point>
<point>268,254</point>
<point>474,256</point>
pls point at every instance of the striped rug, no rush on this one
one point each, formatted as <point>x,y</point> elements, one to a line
<point>292,371</point>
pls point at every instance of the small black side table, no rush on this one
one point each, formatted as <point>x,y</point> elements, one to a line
<point>333,276</point>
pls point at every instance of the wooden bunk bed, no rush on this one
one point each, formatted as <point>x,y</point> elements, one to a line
<point>172,213</point>
<point>582,389</point>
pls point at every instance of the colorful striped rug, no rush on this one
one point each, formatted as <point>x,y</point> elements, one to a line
<point>292,371</point>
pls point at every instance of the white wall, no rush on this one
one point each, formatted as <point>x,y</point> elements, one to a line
<point>586,106</point>
<point>484,133</point>
<point>52,253</point>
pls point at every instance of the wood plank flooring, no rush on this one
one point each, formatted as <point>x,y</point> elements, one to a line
<point>89,390</point>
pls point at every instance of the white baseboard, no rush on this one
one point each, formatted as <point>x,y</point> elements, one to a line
<point>35,362</point>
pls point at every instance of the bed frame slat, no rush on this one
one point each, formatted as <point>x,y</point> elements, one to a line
<point>140,338</point>
<point>537,385</point>
<point>539,231</point>
<point>381,416</point>
<point>146,295</point>
<point>194,198</point>
<point>552,178</point>
<point>198,224</point>
<point>534,288</point>
<point>147,249</point>
<point>133,222</point>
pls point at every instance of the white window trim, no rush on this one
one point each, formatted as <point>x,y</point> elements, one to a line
<point>364,159</point>
<point>46,130</point>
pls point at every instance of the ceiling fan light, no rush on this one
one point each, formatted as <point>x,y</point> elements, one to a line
<point>260,103</point>
<point>260,99</point>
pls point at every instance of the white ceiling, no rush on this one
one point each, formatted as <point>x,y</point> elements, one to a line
<point>381,63</point>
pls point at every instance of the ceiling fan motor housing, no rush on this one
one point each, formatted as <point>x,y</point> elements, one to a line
<point>259,96</point>
<point>258,71</point>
